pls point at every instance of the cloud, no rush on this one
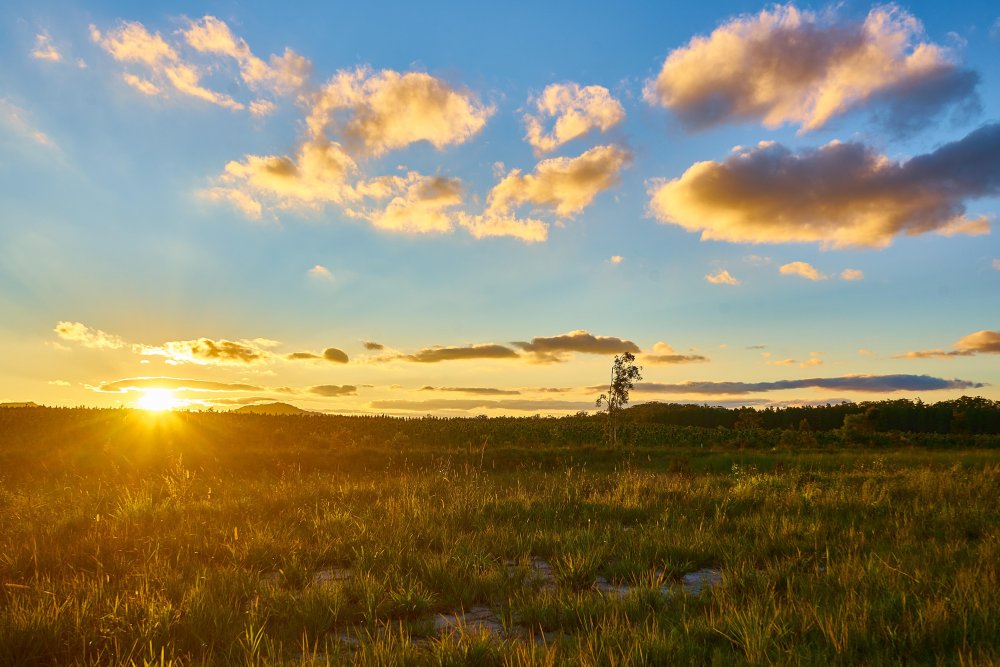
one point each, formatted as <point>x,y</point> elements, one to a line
<point>996,264</point>
<point>859,383</point>
<point>372,345</point>
<point>59,383</point>
<point>841,194</point>
<point>320,271</point>
<point>239,199</point>
<point>330,390</point>
<point>45,49</point>
<point>205,351</point>
<point>813,360</point>
<point>663,353</point>
<point>563,185</point>
<point>16,119</point>
<point>979,342</point>
<point>422,208</point>
<point>376,112</point>
<point>485,391</point>
<point>286,74</point>
<point>526,405</point>
<point>88,337</point>
<point>137,384</point>
<point>335,355</point>
<point>852,274</point>
<point>576,111</point>
<point>616,259</point>
<point>432,355</point>
<point>487,225</point>
<point>130,42</point>
<point>804,269</point>
<point>784,65</point>
<point>722,277</point>
<point>555,348</point>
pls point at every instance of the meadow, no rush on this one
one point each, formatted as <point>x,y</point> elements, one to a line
<point>135,538</point>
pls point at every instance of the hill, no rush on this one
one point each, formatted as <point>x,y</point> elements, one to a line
<point>28,404</point>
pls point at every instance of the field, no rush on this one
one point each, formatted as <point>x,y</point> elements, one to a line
<point>130,538</point>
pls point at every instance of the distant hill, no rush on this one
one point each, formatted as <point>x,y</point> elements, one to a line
<point>28,404</point>
<point>272,409</point>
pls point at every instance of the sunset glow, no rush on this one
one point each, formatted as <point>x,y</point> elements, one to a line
<point>457,210</point>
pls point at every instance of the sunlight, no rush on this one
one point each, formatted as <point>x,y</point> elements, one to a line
<point>158,400</point>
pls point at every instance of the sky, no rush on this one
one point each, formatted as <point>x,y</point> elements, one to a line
<point>471,208</point>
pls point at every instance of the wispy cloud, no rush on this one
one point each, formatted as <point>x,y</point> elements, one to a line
<point>331,390</point>
<point>181,384</point>
<point>842,194</point>
<point>576,110</point>
<point>330,354</point>
<point>852,275</point>
<point>785,65</point>
<point>17,120</point>
<point>484,391</point>
<point>433,355</point>
<point>45,49</point>
<point>523,405</point>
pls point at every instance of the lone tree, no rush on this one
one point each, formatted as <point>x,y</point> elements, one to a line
<point>624,374</point>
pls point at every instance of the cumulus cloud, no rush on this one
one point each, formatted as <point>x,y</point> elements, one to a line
<point>841,194</point>
<point>486,225</point>
<point>88,337</point>
<point>130,42</point>
<point>784,65</point>
<point>178,384</point>
<point>376,112</point>
<point>576,110</point>
<point>335,355</point>
<point>285,74</point>
<point>563,185</point>
<point>548,349</point>
<point>663,353</point>
<point>422,208</point>
<point>205,351</point>
<point>804,269</point>
<point>45,49</point>
<point>485,391</point>
<point>978,342</point>
<point>330,390</point>
<point>238,199</point>
<point>859,383</point>
<point>616,259</point>
<point>722,277</point>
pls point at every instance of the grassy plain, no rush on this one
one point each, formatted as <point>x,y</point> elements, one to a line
<point>212,539</point>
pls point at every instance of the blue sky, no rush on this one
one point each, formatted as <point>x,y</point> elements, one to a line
<point>153,226</point>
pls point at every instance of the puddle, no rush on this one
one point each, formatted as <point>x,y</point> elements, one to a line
<point>602,585</point>
<point>694,583</point>
<point>478,620</point>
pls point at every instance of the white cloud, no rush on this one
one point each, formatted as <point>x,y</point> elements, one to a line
<point>722,277</point>
<point>576,110</point>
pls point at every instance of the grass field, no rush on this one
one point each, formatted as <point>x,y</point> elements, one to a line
<point>172,540</point>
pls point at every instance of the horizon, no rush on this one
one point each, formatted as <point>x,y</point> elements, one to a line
<point>452,211</point>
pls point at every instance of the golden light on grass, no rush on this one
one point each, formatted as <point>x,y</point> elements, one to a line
<point>158,400</point>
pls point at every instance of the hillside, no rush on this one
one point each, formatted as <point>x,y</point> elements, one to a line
<point>272,409</point>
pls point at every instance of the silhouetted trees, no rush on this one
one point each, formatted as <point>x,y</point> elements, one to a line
<point>624,374</point>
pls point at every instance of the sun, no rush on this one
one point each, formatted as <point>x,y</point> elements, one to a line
<point>158,400</point>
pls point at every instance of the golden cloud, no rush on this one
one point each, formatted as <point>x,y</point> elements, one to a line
<point>431,355</point>
<point>88,337</point>
<point>286,74</point>
<point>576,110</point>
<point>177,384</point>
<point>804,269</point>
<point>722,277</point>
<point>860,383</point>
<point>784,65</point>
<point>376,112</point>
<point>663,353</point>
<point>422,207</point>
<point>330,390</point>
<point>563,185</point>
<point>978,342</point>
<point>205,351</point>
<point>852,274</point>
<point>841,194</point>
<point>45,49</point>
<point>529,230</point>
<point>555,348</point>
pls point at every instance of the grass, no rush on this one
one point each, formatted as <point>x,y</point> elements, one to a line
<point>154,549</point>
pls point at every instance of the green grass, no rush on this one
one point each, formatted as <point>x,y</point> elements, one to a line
<point>154,549</point>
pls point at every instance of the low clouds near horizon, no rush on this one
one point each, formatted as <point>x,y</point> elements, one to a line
<point>859,383</point>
